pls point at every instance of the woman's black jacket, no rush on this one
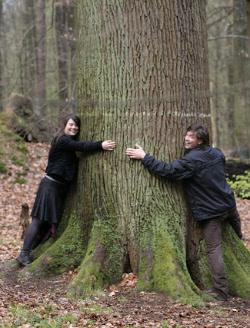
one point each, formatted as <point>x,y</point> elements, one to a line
<point>201,170</point>
<point>62,162</point>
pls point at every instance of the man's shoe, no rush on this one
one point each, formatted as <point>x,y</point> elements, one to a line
<point>217,294</point>
<point>24,258</point>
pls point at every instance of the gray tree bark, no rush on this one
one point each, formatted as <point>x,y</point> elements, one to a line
<point>229,75</point>
<point>66,51</point>
<point>61,40</point>
<point>1,55</point>
<point>29,49</point>
<point>142,78</point>
<point>41,56</point>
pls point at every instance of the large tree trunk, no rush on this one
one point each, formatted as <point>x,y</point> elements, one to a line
<point>142,78</point>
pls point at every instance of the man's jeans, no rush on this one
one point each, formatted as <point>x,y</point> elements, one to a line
<point>212,232</point>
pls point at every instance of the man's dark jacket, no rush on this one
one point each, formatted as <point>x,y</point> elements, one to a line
<point>203,175</point>
<point>62,162</point>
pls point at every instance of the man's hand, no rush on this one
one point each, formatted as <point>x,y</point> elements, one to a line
<point>136,153</point>
<point>108,145</point>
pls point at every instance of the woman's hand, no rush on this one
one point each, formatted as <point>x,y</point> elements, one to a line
<point>108,145</point>
<point>136,153</point>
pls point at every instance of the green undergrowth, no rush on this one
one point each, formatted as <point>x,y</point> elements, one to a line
<point>13,150</point>
<point>241,185</point>
<point>44,316</point>
<point>64,254</point>
<point>95,308</point>
<point>49,316</point>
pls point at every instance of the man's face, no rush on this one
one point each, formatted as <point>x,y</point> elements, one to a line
<point>191,140</point>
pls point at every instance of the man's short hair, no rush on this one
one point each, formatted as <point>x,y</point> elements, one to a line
<point>201,132</point>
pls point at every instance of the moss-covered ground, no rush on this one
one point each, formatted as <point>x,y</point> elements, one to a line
<point>13,151</point>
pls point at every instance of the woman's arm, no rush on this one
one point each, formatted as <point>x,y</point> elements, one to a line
<point>68,143</point>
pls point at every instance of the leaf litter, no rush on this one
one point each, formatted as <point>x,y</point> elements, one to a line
<point>43,302</point>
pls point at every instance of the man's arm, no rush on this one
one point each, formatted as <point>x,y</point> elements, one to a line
<point>176,170</point>
<point>136,153</point>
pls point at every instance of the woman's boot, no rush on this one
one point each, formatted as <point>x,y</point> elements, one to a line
<point>24,258</point>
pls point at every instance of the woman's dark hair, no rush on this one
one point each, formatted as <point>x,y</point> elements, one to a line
<point>64,122</point>
<point>201,132</point>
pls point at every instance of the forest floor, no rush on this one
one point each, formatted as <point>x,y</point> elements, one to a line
<point>32,302</point>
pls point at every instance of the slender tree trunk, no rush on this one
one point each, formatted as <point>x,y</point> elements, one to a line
<point>229,123</point>
<point>41,56</point>
<point>62,53</point>
<point>248,17</point>
<point>29,48</point>
<point>72,57</point>
<point>229,65</point>
<point>241,72</point>
<point>142,78</point>
<point>215,87</point>
<point>1,55</point>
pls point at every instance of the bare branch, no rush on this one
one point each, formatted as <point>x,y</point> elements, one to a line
<point>233,36</point>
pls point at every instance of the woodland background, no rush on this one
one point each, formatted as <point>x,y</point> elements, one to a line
<point>38,67</point>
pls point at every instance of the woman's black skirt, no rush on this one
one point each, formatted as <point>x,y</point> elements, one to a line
<point>49,201</point>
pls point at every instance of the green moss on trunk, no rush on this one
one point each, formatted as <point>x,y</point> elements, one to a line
<point>64,254</point>
<point>163,269</point>
<point>237,263</point>
<point>103,262</point>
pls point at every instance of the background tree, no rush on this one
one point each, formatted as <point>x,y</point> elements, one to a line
<point>64,24</point>
<point>61,30</point>
<point>29,47</point>
<point>1,57</point>
<point>142,77</point>
<point>41,56</point>
<point>229,59</point>
<point>54,74</point>
<point>248,18</point>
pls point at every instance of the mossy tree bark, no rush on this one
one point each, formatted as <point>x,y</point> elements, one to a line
<point>142,78</point>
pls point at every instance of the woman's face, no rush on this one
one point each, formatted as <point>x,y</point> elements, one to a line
<point>71,128</point>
